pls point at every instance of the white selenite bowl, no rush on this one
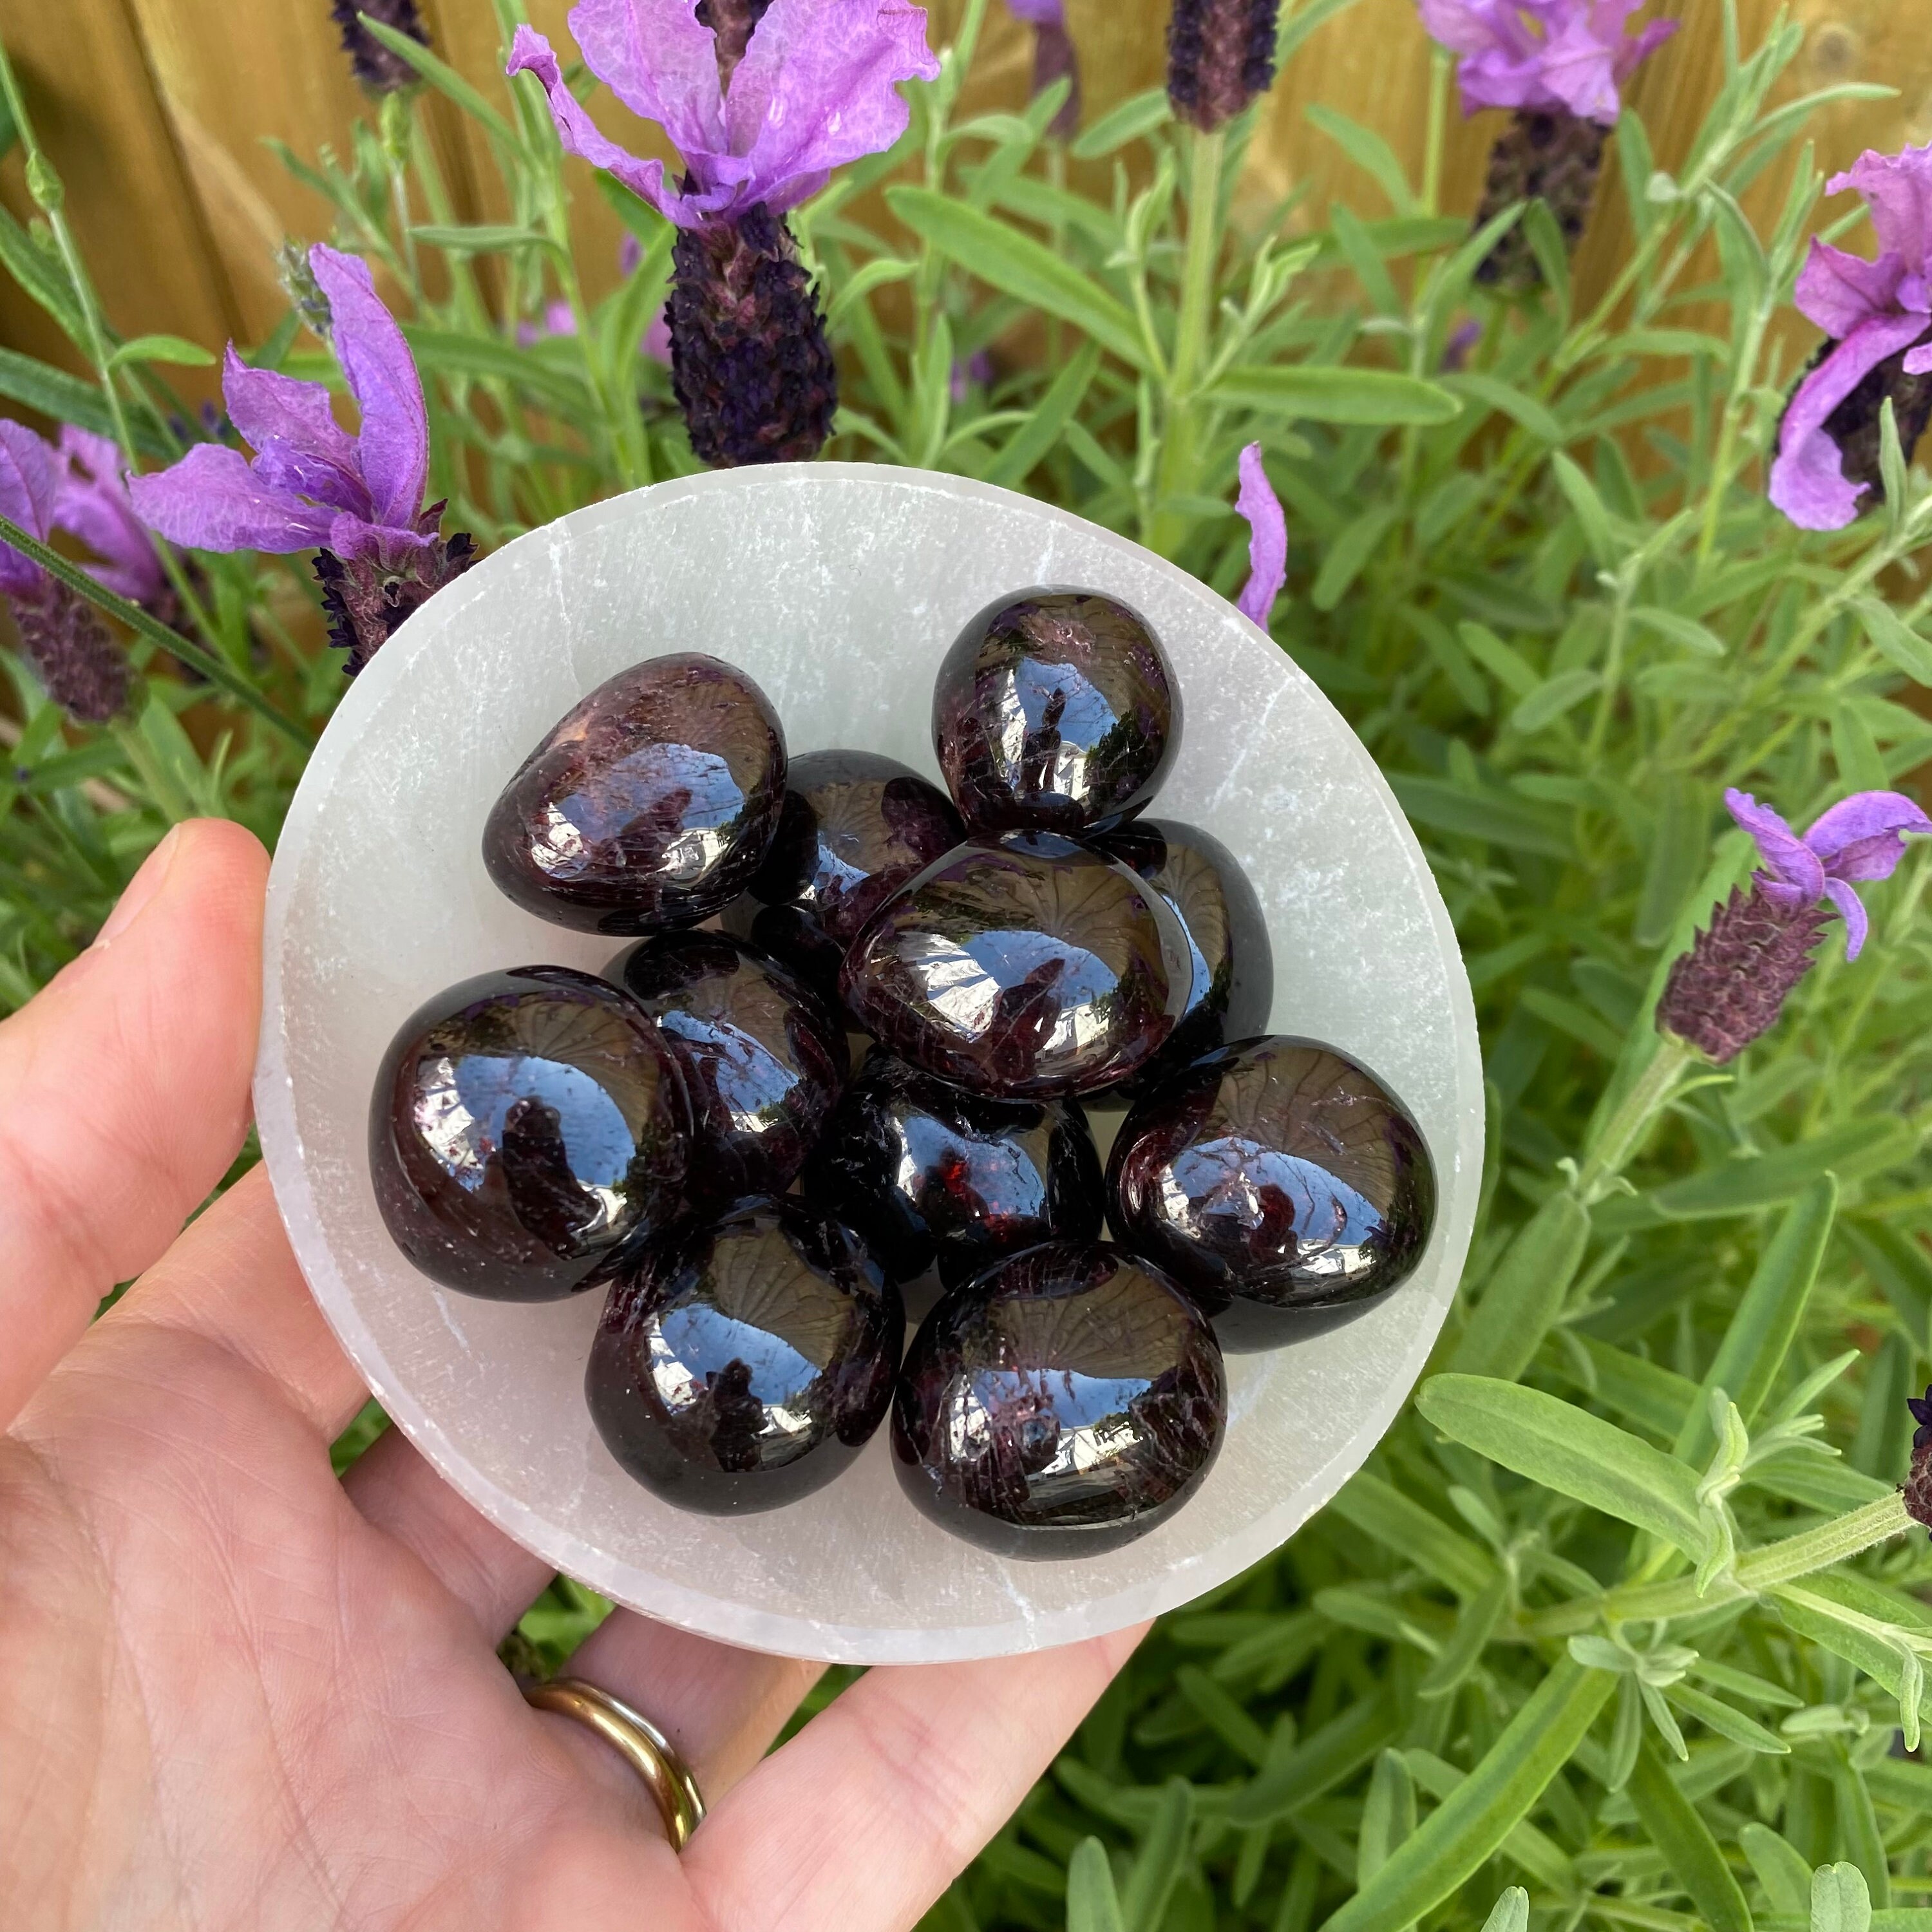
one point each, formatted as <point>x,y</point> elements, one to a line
<point>838,587</point>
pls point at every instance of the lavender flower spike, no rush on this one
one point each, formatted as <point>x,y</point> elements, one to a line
<point>378,70</point>
<point>762,102</point>
<point>356,500</point>
<point>1919,1476</point>
<point>62,636</point>
<point>1054,58</point>
<point>1733,984</point>
<point>1220,55</point>
<point>1878,316</point>
<point>1268,540</point>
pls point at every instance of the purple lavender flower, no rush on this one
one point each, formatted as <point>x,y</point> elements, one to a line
<point>1877,315</point>
<point>975,372</point>
<point>1919,1477</point>
<point>62,635</point>
<point>1733,984</point>
<point>378,70</point>
<point>92,503</point>
<point>559,319</point>
<point>762,102</point>
<point>1267,538</point>
<point>1054,58</point>
<point>1462,338</point>
<point>1220,55</point>
<point>356,500</point>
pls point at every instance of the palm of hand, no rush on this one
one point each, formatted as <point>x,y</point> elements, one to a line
<point>240,1694</point>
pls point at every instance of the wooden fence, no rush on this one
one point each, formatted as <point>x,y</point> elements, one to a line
<point>156,113</point>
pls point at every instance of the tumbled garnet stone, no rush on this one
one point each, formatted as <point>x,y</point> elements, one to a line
<point>932,1177</point>
<point>1024,966</point>
<point>524,1124</point>
<point>1233,980</point>
<point>764,1060</point>
<point>1056,709</point>
<point>744,1364</point>
<point>649,804</point>
<point>1274,1174</point>
<point>790,935</point>
<point>1067,1401</point>
<point>855,827</point>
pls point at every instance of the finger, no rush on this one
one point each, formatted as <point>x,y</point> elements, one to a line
<point>720,1705</point>
<point>231,1281</point>
<point>123,1091</point>
<point>398,1492</point>
<point>867,1816</point>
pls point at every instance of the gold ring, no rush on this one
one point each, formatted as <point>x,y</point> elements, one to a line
<point>642,1745</point>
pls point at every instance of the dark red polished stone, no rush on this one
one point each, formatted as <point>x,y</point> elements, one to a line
<point>764,1060</point>
<point>649,805</point>
<point>1055,709</point>
<point>1065,1402</point>
<point>932,1177</point>
<point>524,1125</point>
<point>790,935</point>
<point>1274,1175</point>
<point>1024,966</point>
<point>743,1364</point>
<point>1227,937</point>
<point>855,827</point>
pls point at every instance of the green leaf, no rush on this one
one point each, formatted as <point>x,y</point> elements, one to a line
<point>1501,660</point>
<point>1783,1871</point>
<point>1742,1185</point>
<point>1032,441</point>
<point>1902,1269</point>
<point>1858,1828</point>
<point>1679,629</point>
<point>1891,467</point>
<point>1588,508</point>
<point>1526,1290</point>
<point>1369,151</point>
<point>1348,553</point>
<point>1553,697</point>
<point>1895,639</point>
<point>1676,858</point>
<point>1537,1852</point>
<point>1455,1840</point>
<point>1324,392</point>
<point>1511,1913</point>
<point>454,352</point>
<point>42,276</point>
<point>67,398</point>
<point>1223,1715</point>
<point>1498,817</point>
<point>1569,1450</point>
<point>1092,1905</point>
<point>1474,1628</point>
<point>1684,1838</point>
<point>1139,115</point>
<point>1388,1815</point>
<point>1157,1866</point>
<point>1714,1714</point>
<point>1835,1610</point>
<point>172,349</point>
<point>447,81</point>
<point>1005,259</point>
<point>1508,401</point>
<point>1321,1761</point>
<point>876,274</point>
<point>1840,1900</point>
<point>482,238</point>
<point>1399,1523</point>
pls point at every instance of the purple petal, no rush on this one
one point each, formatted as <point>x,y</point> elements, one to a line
<point>1838,291</point>
<point>1039,13</point>
<point>299,446</point>
<point>1899,190</point>
<point>656,58</point>
<point>1466,26</point>
<point>29,479</point>
<point>1852,910</point>
<point>818,87</point>
<point>394,439</point>
<point>1267,538</point>
<point>1633,52</point>
<point>1796,876</point>
<point>92,504</point>
<point>350,537</point>
<point>530,53</point>
<point>1808,477</point>
<point>1576,68</point>
<point>1860,837</point>
<point>1919,362</point>
<point>630,255</point>
<point>656,343</point>
<point>212,499</point>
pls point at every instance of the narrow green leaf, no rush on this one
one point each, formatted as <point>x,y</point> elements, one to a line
<point>1474,1628</point>
<point>1369,151</point>
<point>1891,467</point>
<point>1895,639</point>
<point>1324,392</point>
<point>1004,259</point>
<point>1592,516</point>
<point>1901,1268</point>
<point>67,398</point>
<point>1553,697</point>
<point>1503,821</point>
<point>1223,1715</point>
<point>1738,1187</point>
<point>1716,1715</point>
<point>1379,1510</point>
<point>1092,1904</point>
<point>1511,1913</point>
<point>880,271</point>
<point>1679,629</point>
<point>1536,1851</point>
<point>1388,1815</point>
<point>1348,553</point>
<point>1840,1900</point>
<point>1784,1872</point>
<point>482,238</point>
<point>1500,659</point>
<point>447,81</point>
<point>1321,1761</point>
<point>1831,1610</point>
<point>175,350</point>
<point>1858,1827</point>
<point>1507,400</point>
<point>1684,1838</point>
<point>1455,1840</point>
<point>454,352</point>
<point>1034,439</point>
<point>1156,1866</point>
<point>1569,1450</point>
<point>1526,1290</point>
<point>1139,115</point>
<point>42,276</point>
<point>1676,855</point>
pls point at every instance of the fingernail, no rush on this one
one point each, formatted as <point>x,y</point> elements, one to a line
<point>141,888</point>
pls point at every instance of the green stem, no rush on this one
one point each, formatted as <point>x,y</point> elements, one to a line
<point>1180,432</point>
<point>1614,1146</point>
<point>218,670</point>
<point>1441,64</point>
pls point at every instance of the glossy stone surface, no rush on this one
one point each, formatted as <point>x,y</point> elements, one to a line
<point>1066,1403</point>
<point>1056,709</point>
<point>1024,966</point>
<point>742,1365</point>
<point>790,935</point>
<point>854,828</point>
<point>1233,981</point>
<point>1274,1174</point>
<point>764,1060</point>
<point>932,1177</point>
<point>524,1125</point>
<point>649,805</point>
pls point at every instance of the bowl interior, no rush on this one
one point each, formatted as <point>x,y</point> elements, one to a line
<point>837,586</point>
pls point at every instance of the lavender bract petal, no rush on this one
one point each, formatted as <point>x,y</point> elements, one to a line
<point>92,504</point>
<point>1578,68</point>
<point>1860,837</point>
<point>818,87</point>
<point>299,446</point>
<point>1807,478</point>
<point>1797,875</point>
<point>1267,541</point>
<point>29,477</point>
<point>660,63</point>
<point>1899,189</point>
<point>1634,50</point>
<point>394,439</point>
<point>212,500</point>
<point>1852,910</point>
<point>1838,291</point>
<point>1039,13</point>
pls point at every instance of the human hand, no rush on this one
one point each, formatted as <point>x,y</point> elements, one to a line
<point>240,1694</point>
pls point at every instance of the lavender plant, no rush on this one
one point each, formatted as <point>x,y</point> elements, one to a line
<point>1620,1624</point>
